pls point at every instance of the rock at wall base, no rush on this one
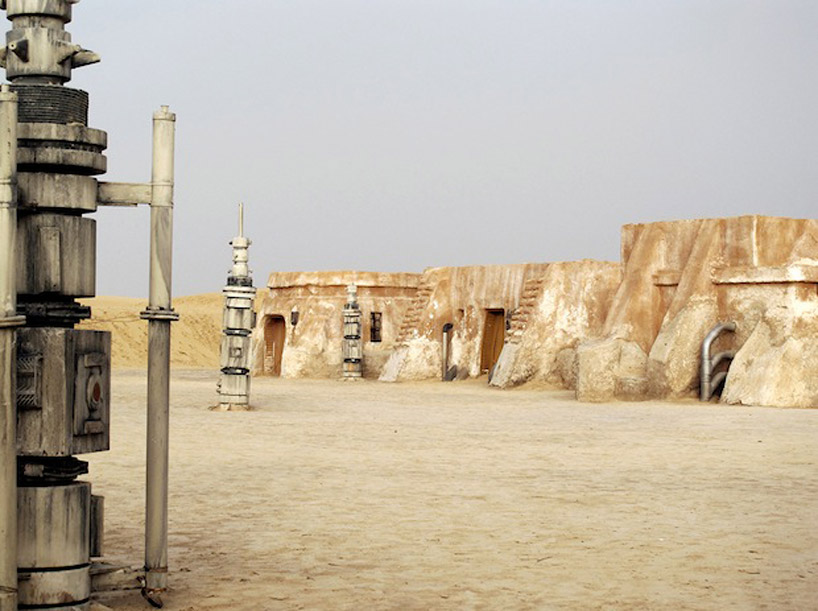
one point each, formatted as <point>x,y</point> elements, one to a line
<point>504,368</point>
<point>393,366</point>
<point>675,358</point>
<point>776,365</point>
<point>603,363</point>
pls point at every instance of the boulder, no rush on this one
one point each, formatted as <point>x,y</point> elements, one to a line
<point>776,365</point>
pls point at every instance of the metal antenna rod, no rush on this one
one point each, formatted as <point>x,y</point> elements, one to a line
<point>241,220</point>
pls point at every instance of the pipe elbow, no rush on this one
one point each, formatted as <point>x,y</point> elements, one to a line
<point>727,355</point>
<point>718,330</point>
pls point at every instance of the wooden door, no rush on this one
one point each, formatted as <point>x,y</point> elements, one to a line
<point>275,333</point>
<point>494,334</point>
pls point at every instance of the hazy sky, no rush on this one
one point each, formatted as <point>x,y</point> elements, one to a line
<point>394,135</point>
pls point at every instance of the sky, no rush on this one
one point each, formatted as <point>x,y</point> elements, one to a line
<point>395,135</point>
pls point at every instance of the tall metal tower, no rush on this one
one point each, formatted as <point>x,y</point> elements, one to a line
<point>352,347</point>
<point>237,326</point>
<point>55,390</point>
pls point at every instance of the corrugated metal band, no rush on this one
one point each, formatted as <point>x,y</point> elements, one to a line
<point>51,104</point>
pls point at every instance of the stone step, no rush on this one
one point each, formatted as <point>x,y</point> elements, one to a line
<point>528,301</point>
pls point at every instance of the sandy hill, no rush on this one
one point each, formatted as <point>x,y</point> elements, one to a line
<point>195,337</point>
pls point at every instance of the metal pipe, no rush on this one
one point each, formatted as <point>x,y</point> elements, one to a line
<point>716,380</point>
<point>445,357</point>
<point>707,383</point>
<point>159,315</point>
<point>716,359</point>
<point>8,357</point>
<point>164,132</point>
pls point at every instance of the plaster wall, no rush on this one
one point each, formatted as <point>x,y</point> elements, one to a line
<point>681,278</point>
<point>459,296</point>
<point>567,304</point>
<point>312,346</point>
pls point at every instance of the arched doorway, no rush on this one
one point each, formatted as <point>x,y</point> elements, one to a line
<point>275,333</point>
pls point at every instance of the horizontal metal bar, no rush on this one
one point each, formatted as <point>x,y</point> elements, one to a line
<point>123,193</point>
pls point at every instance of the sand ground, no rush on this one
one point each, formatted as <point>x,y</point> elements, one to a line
<point>367,495</point>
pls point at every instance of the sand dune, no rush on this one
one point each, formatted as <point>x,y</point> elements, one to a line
<point>194,339</point>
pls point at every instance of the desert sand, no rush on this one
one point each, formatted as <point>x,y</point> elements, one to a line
<point>367,495</point>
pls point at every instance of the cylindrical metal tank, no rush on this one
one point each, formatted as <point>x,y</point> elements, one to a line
<point>53,554</point>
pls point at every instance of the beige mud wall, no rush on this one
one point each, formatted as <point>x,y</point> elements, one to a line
<point>460,296</point>
<point>195,337</point>
<point>567,304</point>
<point>681,278</point>
<point>652,254</point>
<point>312,347</point>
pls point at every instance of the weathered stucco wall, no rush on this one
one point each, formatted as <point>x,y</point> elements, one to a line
<point>629,331</point>
<point>312,346</point>
<point>681,278</point>
<point>459,296</point>
<point>566,304</point>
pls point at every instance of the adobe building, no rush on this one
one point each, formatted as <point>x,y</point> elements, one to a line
<point>681,278</point>
<point>300,325</point>
<point>630,331</point>
<point>472,307</point>
<point>511,323</point>
<point>561,307</point>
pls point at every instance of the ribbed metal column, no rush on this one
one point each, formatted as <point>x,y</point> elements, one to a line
<point>352,348</point>
<point>238,321</point>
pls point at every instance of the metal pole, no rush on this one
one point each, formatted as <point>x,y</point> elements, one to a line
<point>447,329</point>
<point>8,357</point>
<point>159,315</point>
<point>445,358</point>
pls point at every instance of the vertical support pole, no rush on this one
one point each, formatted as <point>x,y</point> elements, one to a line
<point>8,357</point>
<point>159,315</point>
<point>164,133</point>
<point>445,357</point>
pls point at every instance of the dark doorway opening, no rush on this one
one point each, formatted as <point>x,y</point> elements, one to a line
<point>275,333</point>
<point>375,322</point>
<point>494,334</point>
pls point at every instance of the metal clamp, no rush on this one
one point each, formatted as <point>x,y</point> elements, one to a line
<point>159,314</point>
<point>12,321</point>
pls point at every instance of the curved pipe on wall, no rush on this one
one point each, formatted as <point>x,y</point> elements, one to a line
<point>709,382</point>
<point>447,329</point>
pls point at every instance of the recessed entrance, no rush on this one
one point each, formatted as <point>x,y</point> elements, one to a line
<point>275,333</point>
<point>494,334</point>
